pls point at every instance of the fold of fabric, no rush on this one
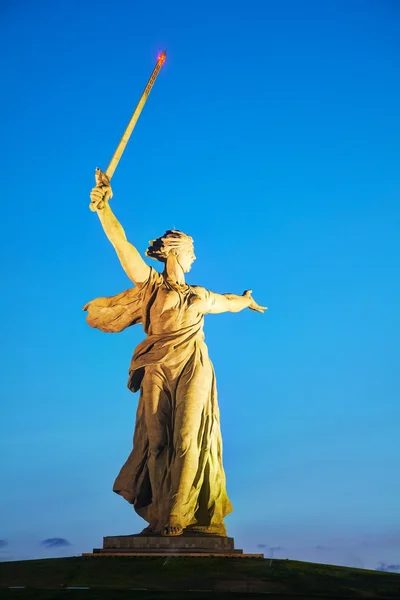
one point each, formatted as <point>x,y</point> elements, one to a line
<point>175,375</point>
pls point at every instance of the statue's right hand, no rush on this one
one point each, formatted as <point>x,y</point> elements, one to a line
<point>99,196</point>
<point>102,193</point>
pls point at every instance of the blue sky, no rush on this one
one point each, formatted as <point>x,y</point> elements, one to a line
<point>272,136</point>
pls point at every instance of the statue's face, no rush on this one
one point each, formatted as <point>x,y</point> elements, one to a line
<point>186,258</point>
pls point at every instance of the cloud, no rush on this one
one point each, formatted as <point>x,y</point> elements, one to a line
<point>3,543</point>
<point>55,543</point>
<point>388,568</point>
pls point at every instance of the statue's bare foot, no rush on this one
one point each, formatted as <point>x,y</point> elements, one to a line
<point>173,527</point>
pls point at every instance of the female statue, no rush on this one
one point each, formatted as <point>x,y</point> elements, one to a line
<point>174,476</point>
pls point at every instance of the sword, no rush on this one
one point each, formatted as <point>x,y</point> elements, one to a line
<point>104,178</point>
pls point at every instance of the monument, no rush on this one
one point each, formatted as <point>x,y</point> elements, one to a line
<point>174,476</point>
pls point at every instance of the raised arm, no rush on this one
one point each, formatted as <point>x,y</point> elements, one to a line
<point>213,303</point>
<point>131,261</point>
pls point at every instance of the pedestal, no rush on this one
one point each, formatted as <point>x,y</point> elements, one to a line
<point>187,544</point>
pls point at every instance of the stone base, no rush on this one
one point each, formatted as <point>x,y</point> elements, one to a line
<point>187,544</point>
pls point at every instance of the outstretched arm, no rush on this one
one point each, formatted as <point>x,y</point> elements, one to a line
<point>131,261</point>
<point>218,303</point>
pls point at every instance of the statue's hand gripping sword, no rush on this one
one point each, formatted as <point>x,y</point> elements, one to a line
<point>103,179</point>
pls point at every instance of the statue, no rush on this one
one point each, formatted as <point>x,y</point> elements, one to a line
<point>174,476</point>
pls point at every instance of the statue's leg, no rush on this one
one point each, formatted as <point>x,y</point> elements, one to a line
<point>192,394</point>
<point>156,409</point>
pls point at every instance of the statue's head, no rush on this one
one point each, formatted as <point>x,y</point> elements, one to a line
<point>176,243</point>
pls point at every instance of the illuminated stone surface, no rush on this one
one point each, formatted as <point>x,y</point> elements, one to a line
<point>188,544</point>
<point>174,476</point>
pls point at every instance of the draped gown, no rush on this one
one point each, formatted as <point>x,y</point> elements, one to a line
<point>175,467</point>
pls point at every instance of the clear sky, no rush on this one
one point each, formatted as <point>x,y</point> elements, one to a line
<point>272,136</point>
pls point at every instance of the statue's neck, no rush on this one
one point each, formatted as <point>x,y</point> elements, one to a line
<point>173,271</point>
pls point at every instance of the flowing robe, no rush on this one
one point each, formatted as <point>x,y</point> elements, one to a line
<point>175,467</point>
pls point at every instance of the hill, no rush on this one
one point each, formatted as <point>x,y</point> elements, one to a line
<point>112,577</point>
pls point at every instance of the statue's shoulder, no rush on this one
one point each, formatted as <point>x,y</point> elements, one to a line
<point>200,291</point>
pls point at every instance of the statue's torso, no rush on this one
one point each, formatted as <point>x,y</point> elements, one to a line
<point>174,308</point>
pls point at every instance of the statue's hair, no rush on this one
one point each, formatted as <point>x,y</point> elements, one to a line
<point>171,240</point>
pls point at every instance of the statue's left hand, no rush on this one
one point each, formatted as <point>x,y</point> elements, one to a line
<point>253,304</point>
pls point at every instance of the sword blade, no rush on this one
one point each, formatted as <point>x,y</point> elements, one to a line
<point>135,116</point>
